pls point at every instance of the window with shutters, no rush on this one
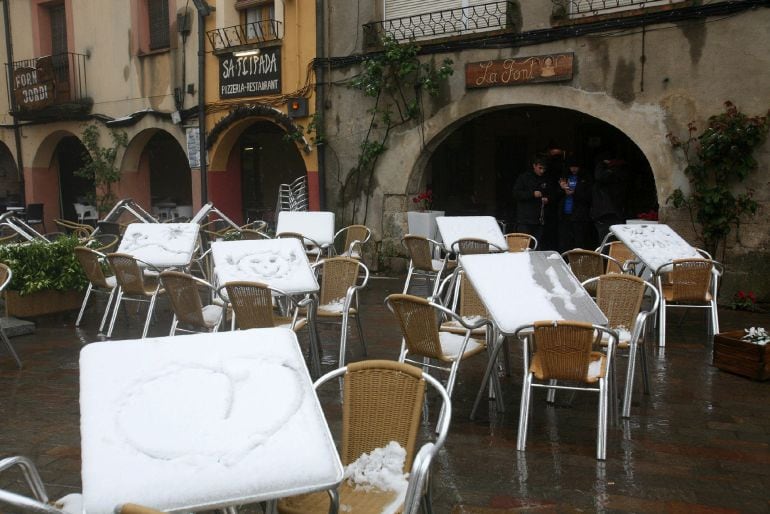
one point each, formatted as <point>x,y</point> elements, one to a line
<point>262,19</point>
<point>158,24</point>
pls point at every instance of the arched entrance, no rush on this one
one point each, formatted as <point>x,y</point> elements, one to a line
<point>70,154</point>
<point>473,170</point>
<point>10,185</point>
<point>267,161</point>
<point>170,178</point>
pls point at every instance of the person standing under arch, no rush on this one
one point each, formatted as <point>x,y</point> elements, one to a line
<point>532,194</point>
<point>609,193</point>
<point>575,228</point>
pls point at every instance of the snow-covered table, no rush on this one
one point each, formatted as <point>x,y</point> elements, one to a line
<point>655,244</point>
<point>201,422</point>
<point>520,288</point>
<point>316,225</point>
<point>163,245</point>
<point>453,228</point>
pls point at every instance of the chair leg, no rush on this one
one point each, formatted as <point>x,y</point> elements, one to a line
<point>361,333</point>
<point>550,396</point>
<point>107,310</point>
<point>714,317</point>
<point>487,377</point>
<point>408,280</point>
<point>174,322</point>
<point>150,310</point>
<point>343,338</point>
<point>83,306</point>
<point>629,387</point>
<point>645,368</point>
<point>662,325</point>
<point>10,348</point>
<point>115,310</point>
<point>526,392</point>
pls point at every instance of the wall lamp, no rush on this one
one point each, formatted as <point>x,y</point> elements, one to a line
<point>246,53</point>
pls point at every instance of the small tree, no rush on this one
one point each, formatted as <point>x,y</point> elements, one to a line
<point>718,159</point>
<point>100,166</point>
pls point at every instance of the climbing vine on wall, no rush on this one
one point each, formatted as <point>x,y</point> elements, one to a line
<point>100,167</point>
<point>717,160</point>
<point>396,79</point>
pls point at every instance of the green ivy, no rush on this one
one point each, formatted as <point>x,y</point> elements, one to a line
<point>100,166</point>
<point>717,160</point>
<point>396,79</point>
<point>40,265</point>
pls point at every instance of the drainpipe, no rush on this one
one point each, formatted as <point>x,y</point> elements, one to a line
<point>16,126</point>
<point>204,9</point>
<point>320,99</point>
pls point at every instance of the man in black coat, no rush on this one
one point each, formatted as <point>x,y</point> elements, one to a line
<point>575,228</point>
<point>532,194</point>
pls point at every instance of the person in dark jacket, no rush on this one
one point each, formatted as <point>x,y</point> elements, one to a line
<point>609,194</point>
<point>532,194</point>
<point>575,228</point>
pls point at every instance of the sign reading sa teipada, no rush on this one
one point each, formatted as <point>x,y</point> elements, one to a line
<point>519,70</point>
<point>253,75</point>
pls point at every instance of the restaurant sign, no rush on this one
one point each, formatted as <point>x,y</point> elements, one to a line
<point>34,87</point>
<point>519,70</point>
<point>253,75</point>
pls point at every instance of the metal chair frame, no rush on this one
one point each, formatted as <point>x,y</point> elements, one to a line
<point>92,262</point>
<point>178,296</point>
<point>136,287</point>
<point>421,261</point>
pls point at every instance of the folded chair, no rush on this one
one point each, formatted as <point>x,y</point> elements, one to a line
<point>5,278</point>
<point>421,262</point>
<point>183,292</point>
<point>93,263</point>
<point>520,242</point>
<point>689,283</point>
<point>137,281</point>
<point>620,298</point>
<point>341,279</point>
<point>382,401</point>
<point>566,351</point>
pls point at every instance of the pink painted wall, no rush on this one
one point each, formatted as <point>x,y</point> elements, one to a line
<point>136,184</point>
<point>41,185</point>
<point>224,188</point>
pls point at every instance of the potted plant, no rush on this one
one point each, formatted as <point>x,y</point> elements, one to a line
<point>422,222</point>
<point>47,277</point>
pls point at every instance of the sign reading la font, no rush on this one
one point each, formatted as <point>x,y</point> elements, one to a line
<point>253,75</point>
<point>519,70</point>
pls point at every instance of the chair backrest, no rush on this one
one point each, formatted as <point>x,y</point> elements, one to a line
<point>359,234</point>
<point>251,234</point>
<point>128,273</point>
<point>563,349</point>
<point>382,402</point>
<point>78,229</point>
<point>620,297</point>
<point>520,242</point>
<point>691,280</point>
<point>419,250</point>
<point>104,243</point>
<point>34,212</point>
<point>92,262</point>
<point>184,295</point>
<point>338,274</point>
<point>252,304</point>
<point>418,323</point>
<point>587,264</point>
<point>470,245</point>
<point>621,253</point>
<point>470,303</point>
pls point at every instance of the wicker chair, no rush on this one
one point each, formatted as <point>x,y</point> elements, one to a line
<point>421,261</point>
<point>520,242</point>
<point>80,230</point>
<point>136,281</point>
<point>183,292</point>
<point>382,401</point>
<point>5,278</point>
<point>356,236</point>
<point>257,225</point>
<point>620,298</point>
<point>93,263</point>
<point>341,279</point>
<point>417,318</point>
<point>253,305</point>
<point>104,243</point>
<point>253,235</point>
<point>313,250</point>
<point>587,264</point>
<point>564,351</point>
<point>40,504</point>
<point>689,283</point>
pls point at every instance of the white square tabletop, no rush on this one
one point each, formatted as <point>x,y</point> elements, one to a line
<point>279,263</point>
<point>655,244</point>
<point>202,421</point>
<point>453,228</point>
<point>317,225</point>
<point>161,244</point>
<point>519,288</point>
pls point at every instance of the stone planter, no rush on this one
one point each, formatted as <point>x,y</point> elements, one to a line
<point>741,357</point>
<point>423,223</point>
<point>41,302</point>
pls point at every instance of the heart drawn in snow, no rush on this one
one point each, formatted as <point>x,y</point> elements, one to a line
<point>221,412</point>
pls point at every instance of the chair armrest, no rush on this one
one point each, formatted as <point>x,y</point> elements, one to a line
<point>419,477</point>
<point>30,475</point>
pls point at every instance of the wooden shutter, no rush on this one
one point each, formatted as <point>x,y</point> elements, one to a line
<point>157,14</point>
<point>58,18</point>
<point>402,8</point>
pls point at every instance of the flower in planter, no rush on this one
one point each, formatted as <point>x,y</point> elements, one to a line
<point>756,335</point>
<point>744,301</point>
<point>651,215</point>
<point>425,199</point>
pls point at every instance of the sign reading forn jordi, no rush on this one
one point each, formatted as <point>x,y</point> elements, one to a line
<point>520,70</point>
<point>253,75</point>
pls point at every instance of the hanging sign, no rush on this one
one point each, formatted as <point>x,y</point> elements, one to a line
<point>519,70</point>
<point>34,87</point>
<point>252,75</point>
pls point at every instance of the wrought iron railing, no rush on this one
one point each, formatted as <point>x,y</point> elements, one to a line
<point>41,82</point>
<point>240,35</point>
<point>580,8</point>
<point>449,22</point>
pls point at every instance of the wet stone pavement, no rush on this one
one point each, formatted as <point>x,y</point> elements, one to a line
<point>700,442</point>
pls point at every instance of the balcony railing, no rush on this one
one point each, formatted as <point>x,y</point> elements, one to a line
<point>582,8</point>
<point>229,38</point>
<point>45,83</point>
<point>449,22</point>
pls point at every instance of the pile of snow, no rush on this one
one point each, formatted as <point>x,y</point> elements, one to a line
<point>381,469</point>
